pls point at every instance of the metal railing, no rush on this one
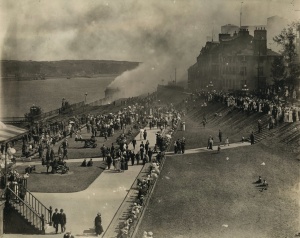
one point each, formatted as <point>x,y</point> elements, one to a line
<point>13,119</point>
<point>36,219</point>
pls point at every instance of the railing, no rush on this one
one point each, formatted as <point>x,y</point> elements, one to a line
<point>36,219</point>
<point>35,204</point>
<point>39,207</point>
<point>13,119</point>
<point>99,102</point>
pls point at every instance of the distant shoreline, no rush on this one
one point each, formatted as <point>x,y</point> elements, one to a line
<point>12,78</point>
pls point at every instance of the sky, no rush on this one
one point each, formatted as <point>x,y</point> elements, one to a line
<point>164,35</point>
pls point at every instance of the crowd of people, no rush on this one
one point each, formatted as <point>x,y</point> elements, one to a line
<point>278,109</point>
<point>43,138</point>
<point>143,185</point>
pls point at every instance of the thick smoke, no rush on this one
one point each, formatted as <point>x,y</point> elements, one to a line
<point>164,35</point>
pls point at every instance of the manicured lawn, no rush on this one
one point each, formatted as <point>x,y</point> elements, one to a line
<point>77,179</point>
<point>206,195</point>
<point>197,136</point>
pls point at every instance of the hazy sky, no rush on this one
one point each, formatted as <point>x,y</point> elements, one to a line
<point>161,33</point>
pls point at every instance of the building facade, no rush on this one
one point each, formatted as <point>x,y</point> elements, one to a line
<point>232,62</point>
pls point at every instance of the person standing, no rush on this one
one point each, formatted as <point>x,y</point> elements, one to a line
<point>142,149</point>
<point>145,134</point>
<point>62,220</point>
<point>183,145</point>
<point>211,143</point>
<point>141,134</point>
<point>132,157</point>
<point>65,155</point>
<point>108,160</point>
<point>208,142</point>
<point>220,135</point>
<point>134,143</point>
<point>147,147</point>
<point>227,141</point>
<point>252,138</point>
<point>259,125</point>
<point>55,220</point>
<point>98,224</point>
<point>150,152</point>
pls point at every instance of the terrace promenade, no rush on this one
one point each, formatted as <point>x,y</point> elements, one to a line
<point>106,194</point>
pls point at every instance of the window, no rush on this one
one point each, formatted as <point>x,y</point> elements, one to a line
<point>243,70</point>
<point>261,71</point>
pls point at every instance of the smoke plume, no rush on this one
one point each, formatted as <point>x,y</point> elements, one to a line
<point>163,35</point>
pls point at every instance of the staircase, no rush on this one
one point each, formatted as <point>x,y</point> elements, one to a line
<point>218,114</point>
<point>30,212</point>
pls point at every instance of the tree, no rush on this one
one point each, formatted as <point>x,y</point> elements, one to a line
<point>286,39</point>
<point>278,72</point>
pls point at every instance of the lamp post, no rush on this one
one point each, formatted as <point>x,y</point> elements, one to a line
<point>5,165</point>
<point>245,88</point>
<point>210,85</point>
<point>85,98</point>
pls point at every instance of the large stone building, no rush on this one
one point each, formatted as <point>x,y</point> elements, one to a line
<point>232,62</point>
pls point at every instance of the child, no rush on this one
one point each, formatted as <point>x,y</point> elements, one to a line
<point>227,141</point>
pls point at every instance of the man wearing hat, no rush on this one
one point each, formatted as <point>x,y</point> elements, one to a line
<point>62,220</point>
<point>55,220</point>
<point>98,224</point>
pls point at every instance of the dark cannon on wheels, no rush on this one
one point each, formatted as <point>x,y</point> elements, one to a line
<point>88,143</point>
<point>59,167</point>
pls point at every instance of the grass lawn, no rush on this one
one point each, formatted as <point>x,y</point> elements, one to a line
<point>206,195</point>
<point>77,179</point>
<point>197,136</point>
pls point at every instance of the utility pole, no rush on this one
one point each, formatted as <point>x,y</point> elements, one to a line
<point>175,76</point>
<point>241,15</point>
<point>258,65</point>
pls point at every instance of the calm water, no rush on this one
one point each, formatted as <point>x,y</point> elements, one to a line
<point>18,96</point>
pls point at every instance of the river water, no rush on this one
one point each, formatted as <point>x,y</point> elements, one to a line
<point>18,96</point>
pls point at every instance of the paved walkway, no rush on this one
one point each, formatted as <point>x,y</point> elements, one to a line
<point>215,148</point>
<point>114,228</point>
<point>106,194</point>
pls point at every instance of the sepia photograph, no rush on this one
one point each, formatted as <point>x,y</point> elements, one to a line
<point>150,119</point>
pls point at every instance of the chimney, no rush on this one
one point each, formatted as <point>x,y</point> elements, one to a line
<point>260,41</point>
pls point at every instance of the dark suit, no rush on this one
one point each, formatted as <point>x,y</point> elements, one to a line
<point>63,221</point>
<point>56,220</point>
<point>98,225</point>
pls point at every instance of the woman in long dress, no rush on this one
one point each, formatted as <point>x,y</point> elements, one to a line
<point>118,164</point>
<point>98,224</point>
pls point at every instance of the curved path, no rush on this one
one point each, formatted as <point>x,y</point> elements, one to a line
<point>105,194</point>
